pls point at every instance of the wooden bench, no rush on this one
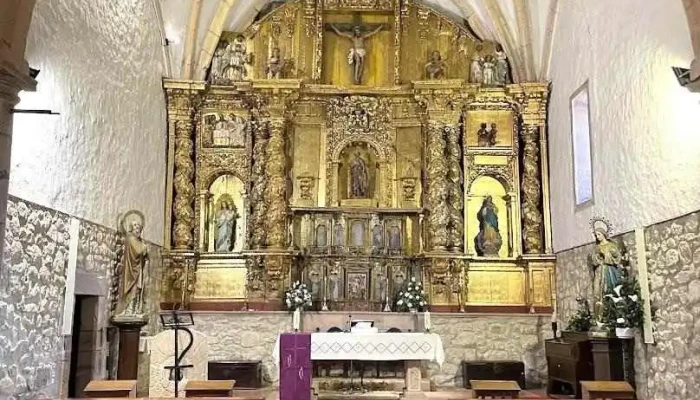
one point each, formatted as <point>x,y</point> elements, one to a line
<point>614,390</point>
<point>209,388</point>
<point>495,389</point>
<point>110,389</point>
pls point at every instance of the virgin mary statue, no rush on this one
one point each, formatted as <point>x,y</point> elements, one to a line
<point>607,265</point>
<point>488,241</point>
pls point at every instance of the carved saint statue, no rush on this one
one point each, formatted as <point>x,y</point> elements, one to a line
<point>226,220</point>
<point>238,58</point>
<point>359,178</point>
<point>489,70</point>
<point>476,74</point>
<point>607,263</point>
<point>219,64</point>
<point>356,56</point>
<point>339,233</point>
<point>488,241</point>
<point>229,130</point>
<point>435,68</point>
<point>134,266</point>
<point>502,72</point>
<point>275,64</point>
<point>487,137</point>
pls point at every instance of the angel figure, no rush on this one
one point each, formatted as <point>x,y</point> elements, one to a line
<point>275,64</point>
<point>607,263</point>
<point>238,59</point>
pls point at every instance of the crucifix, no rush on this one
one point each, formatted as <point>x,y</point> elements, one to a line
<point>357,32</point>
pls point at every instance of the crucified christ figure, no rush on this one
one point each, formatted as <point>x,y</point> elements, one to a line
<point>356,56</point>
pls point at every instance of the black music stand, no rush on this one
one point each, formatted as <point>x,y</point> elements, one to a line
<point>178,321</point>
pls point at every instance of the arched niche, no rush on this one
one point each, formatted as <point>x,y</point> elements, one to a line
<point>489,196</point>
<point>224,215</point>
<point>358,175</point>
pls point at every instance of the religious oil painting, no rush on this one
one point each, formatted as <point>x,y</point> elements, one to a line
<point>357,285</point>
<point>226,215</point>
<point>489,128</point>
<point>225,130</point>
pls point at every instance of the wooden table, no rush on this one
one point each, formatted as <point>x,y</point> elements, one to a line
<point>209,388</point>
<point>494,389</point>
<point>615,390</point>
<point>110,389</point>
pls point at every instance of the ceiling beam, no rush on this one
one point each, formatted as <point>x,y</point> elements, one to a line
<point>524,22</point>
<point>506,39</point>
<point>191,39</point>
<point>216,27</point>
<point>548,40</point>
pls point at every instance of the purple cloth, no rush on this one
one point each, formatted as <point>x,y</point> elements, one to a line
<point>295,366</point>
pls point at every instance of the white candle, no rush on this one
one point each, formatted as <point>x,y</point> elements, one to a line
<point>426,320</point>
<point>296,319</point>
<point>554,315</point>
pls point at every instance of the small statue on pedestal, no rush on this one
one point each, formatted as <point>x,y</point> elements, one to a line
<point>134,266</point>
<point>435,68</point>
<point>275,64</point>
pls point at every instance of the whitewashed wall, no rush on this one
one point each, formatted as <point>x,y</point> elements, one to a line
<point>645,127</point>
<point>101,68</point>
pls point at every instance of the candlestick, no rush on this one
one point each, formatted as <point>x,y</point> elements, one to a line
<point>324,307</point>
<point>426,320</point>
<point>554,324</point>
<point>387,305</point>
<point>296,320</point>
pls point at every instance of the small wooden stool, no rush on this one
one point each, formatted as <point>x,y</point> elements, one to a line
<point>209,388</point>
<point>495,389</point>
<point>614,390</point>
<point>110,389</point>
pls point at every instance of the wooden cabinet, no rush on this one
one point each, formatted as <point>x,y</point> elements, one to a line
<point>569,360</point>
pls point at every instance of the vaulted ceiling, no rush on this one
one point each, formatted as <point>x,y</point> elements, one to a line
<point>523,27</point>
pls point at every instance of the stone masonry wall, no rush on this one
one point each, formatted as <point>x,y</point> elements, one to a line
<point>490,338</point>
<point>666,369</point>
<point>34,354</point>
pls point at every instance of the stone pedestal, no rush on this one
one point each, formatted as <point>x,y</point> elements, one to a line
<point>607,359</point>
<point>129,336</point>
<point>413,378</point>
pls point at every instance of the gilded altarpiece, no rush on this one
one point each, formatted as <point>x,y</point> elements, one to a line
<point>354,144</point>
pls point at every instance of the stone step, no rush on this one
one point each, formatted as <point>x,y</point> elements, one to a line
<point>353,396</point>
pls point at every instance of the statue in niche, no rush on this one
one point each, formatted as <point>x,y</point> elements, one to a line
<point>476,74</point>
<point>334,278</point>
<point>487,137</point>
<point>359,178</point>
<point>219,64</point>
<point>226,221</point>
<point>377,235</point>
<point>238,59</point>
<point>340,233</point>
<point>435,68</point>
<point>275,64</point>
<point>607,262</point>
<point>356,56</point>
<point>502,71</point>
<point>489,70</point>
<point>394,237</point>
<point>358,234</point>
<point>488,241</point>
<point>134,266</point>
<point>321,236</point>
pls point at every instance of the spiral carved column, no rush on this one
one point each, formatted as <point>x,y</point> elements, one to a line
<point>275,191</point>
<point>532,192</point>
<point>455,177</point>
<point>438,188</point>
<point>183,184</point>
<point>258,205</point>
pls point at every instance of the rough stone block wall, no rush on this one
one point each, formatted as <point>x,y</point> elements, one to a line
<point>33,362</point>
<point>490,338</point>
<point>669,368</point>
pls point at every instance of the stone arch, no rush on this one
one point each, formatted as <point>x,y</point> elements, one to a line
<point>345,143</point>
<point>216,174</point>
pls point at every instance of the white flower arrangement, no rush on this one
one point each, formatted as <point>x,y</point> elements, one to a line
<point>412,298</point>
<point>624,308</point>
<point>297,296</point>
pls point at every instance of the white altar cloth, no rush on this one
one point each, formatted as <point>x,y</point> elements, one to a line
<point>373,347</point>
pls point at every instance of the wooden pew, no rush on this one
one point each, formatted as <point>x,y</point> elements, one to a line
<point>110,389</point>
<point>615,390</point>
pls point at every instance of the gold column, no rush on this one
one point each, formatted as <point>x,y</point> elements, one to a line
<point>438,188</point>
<point>256,224</point>
<point>275,193</point>
<point>182,100</point>
<point>455,180</point>
<point>533,100</point>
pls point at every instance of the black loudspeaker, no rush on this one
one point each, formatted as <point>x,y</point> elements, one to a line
<point>493,371</point>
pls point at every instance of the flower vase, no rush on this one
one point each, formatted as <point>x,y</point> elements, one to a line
<point>296,319</point>
<point>624,333</point>
<point>413,310</point>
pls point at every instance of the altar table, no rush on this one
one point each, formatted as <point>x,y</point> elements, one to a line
<point>412,348</point>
